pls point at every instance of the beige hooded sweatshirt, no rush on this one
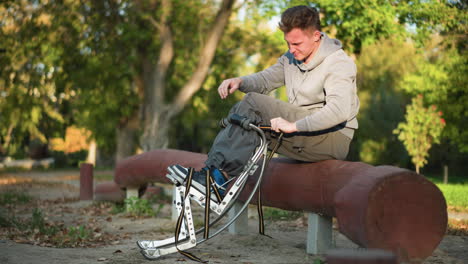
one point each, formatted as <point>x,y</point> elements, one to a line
<point>326,85</point>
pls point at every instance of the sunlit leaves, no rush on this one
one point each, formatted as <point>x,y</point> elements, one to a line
<point>422,128</point>
<point>440,75</point>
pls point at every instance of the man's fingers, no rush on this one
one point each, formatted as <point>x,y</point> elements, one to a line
<point>222,90</point>
<point>228,87</point>
<point>234,85</point>
<point>274,124</point>
<point>232,89</point>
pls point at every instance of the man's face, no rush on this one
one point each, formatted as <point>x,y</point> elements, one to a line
<point>302,43</point>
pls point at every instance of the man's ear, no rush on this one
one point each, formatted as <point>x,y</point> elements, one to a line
<point>317,35</point>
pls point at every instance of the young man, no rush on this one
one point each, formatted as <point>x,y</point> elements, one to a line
<point>318,121</point>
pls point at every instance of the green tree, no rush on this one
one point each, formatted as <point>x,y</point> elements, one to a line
<point>163,51</point>
<point>249,44</point>
<point>381,66</point>
<point>30,100</point>
<point>441,75</point>
<point>130,65</point>
<point>421,130</point>
<point>360,23</point>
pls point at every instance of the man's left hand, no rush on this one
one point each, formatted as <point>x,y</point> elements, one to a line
<point>278,124</point>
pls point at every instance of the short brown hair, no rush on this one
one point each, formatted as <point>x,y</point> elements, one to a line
<point>302,17</point>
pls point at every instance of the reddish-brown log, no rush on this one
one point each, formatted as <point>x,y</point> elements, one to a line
<point>376,207</point>
<point>138,170</point>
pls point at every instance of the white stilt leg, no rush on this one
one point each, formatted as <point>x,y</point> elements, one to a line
<point>175,212</point>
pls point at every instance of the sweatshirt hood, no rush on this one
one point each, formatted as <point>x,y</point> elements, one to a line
<point>327,47</point>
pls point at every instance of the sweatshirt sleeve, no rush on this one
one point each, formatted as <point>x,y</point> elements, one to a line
<point>339,87</point>
<point>264,81</point>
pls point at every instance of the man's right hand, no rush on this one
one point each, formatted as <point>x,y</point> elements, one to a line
<point>229,86</point>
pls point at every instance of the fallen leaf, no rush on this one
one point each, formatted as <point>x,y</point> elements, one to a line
<point>118,251</point>
<point>102,259</point>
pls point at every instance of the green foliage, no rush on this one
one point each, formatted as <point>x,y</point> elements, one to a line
<point>39,230</point>
<point>241,51</point>
<point>85,63</point>
<point>38,224</point>
<point>118,208</point>
<point>318,261</point>
<point>9,198</point>
<point>441,76</point>
<point>5,221</point>
<point>455,194</point>
<point>360,23</point>
<point>79,233</point>
<point>138,207</point>
<point>381,66</point>
<point>67,160</point>
<point>29,97</point>
<point>422,128</point>
<point>278,214</point>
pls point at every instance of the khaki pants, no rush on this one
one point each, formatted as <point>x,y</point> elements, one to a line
<point>234,145</point>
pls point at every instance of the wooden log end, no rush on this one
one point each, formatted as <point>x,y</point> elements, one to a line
<point>408,215</point>
<point>393,209</point>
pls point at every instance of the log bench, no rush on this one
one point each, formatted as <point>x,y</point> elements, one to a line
<point>382,207</point>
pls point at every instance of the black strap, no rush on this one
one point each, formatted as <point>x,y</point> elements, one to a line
<point>261,222</point>
<point>207,205</point>
<point>181,217</point>
<point>215,188</point>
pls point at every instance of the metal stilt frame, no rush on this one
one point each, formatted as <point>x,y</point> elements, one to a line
<point>188,237</point>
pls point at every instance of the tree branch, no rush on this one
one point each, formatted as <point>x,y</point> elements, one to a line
<point>206,56</point>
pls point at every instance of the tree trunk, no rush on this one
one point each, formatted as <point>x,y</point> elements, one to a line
<point>157,113</point>
<point>127,138</point>
<point>206,55</point>
<point>6,144</point>
<point>155,130</point>
<point>417,169</point>
<point>92,153</point>
<point>445,174</point>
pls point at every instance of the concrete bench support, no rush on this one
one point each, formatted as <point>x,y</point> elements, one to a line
<point>241,225</point>
<point>319,234</point>
<point>132,192</point>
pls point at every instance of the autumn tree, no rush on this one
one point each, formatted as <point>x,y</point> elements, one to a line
<point>421,129</point>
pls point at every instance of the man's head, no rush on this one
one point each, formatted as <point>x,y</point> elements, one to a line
<point>302,17</point>
<point>301,28</point>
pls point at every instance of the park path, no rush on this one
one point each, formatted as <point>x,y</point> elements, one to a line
<point>71,177</point>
